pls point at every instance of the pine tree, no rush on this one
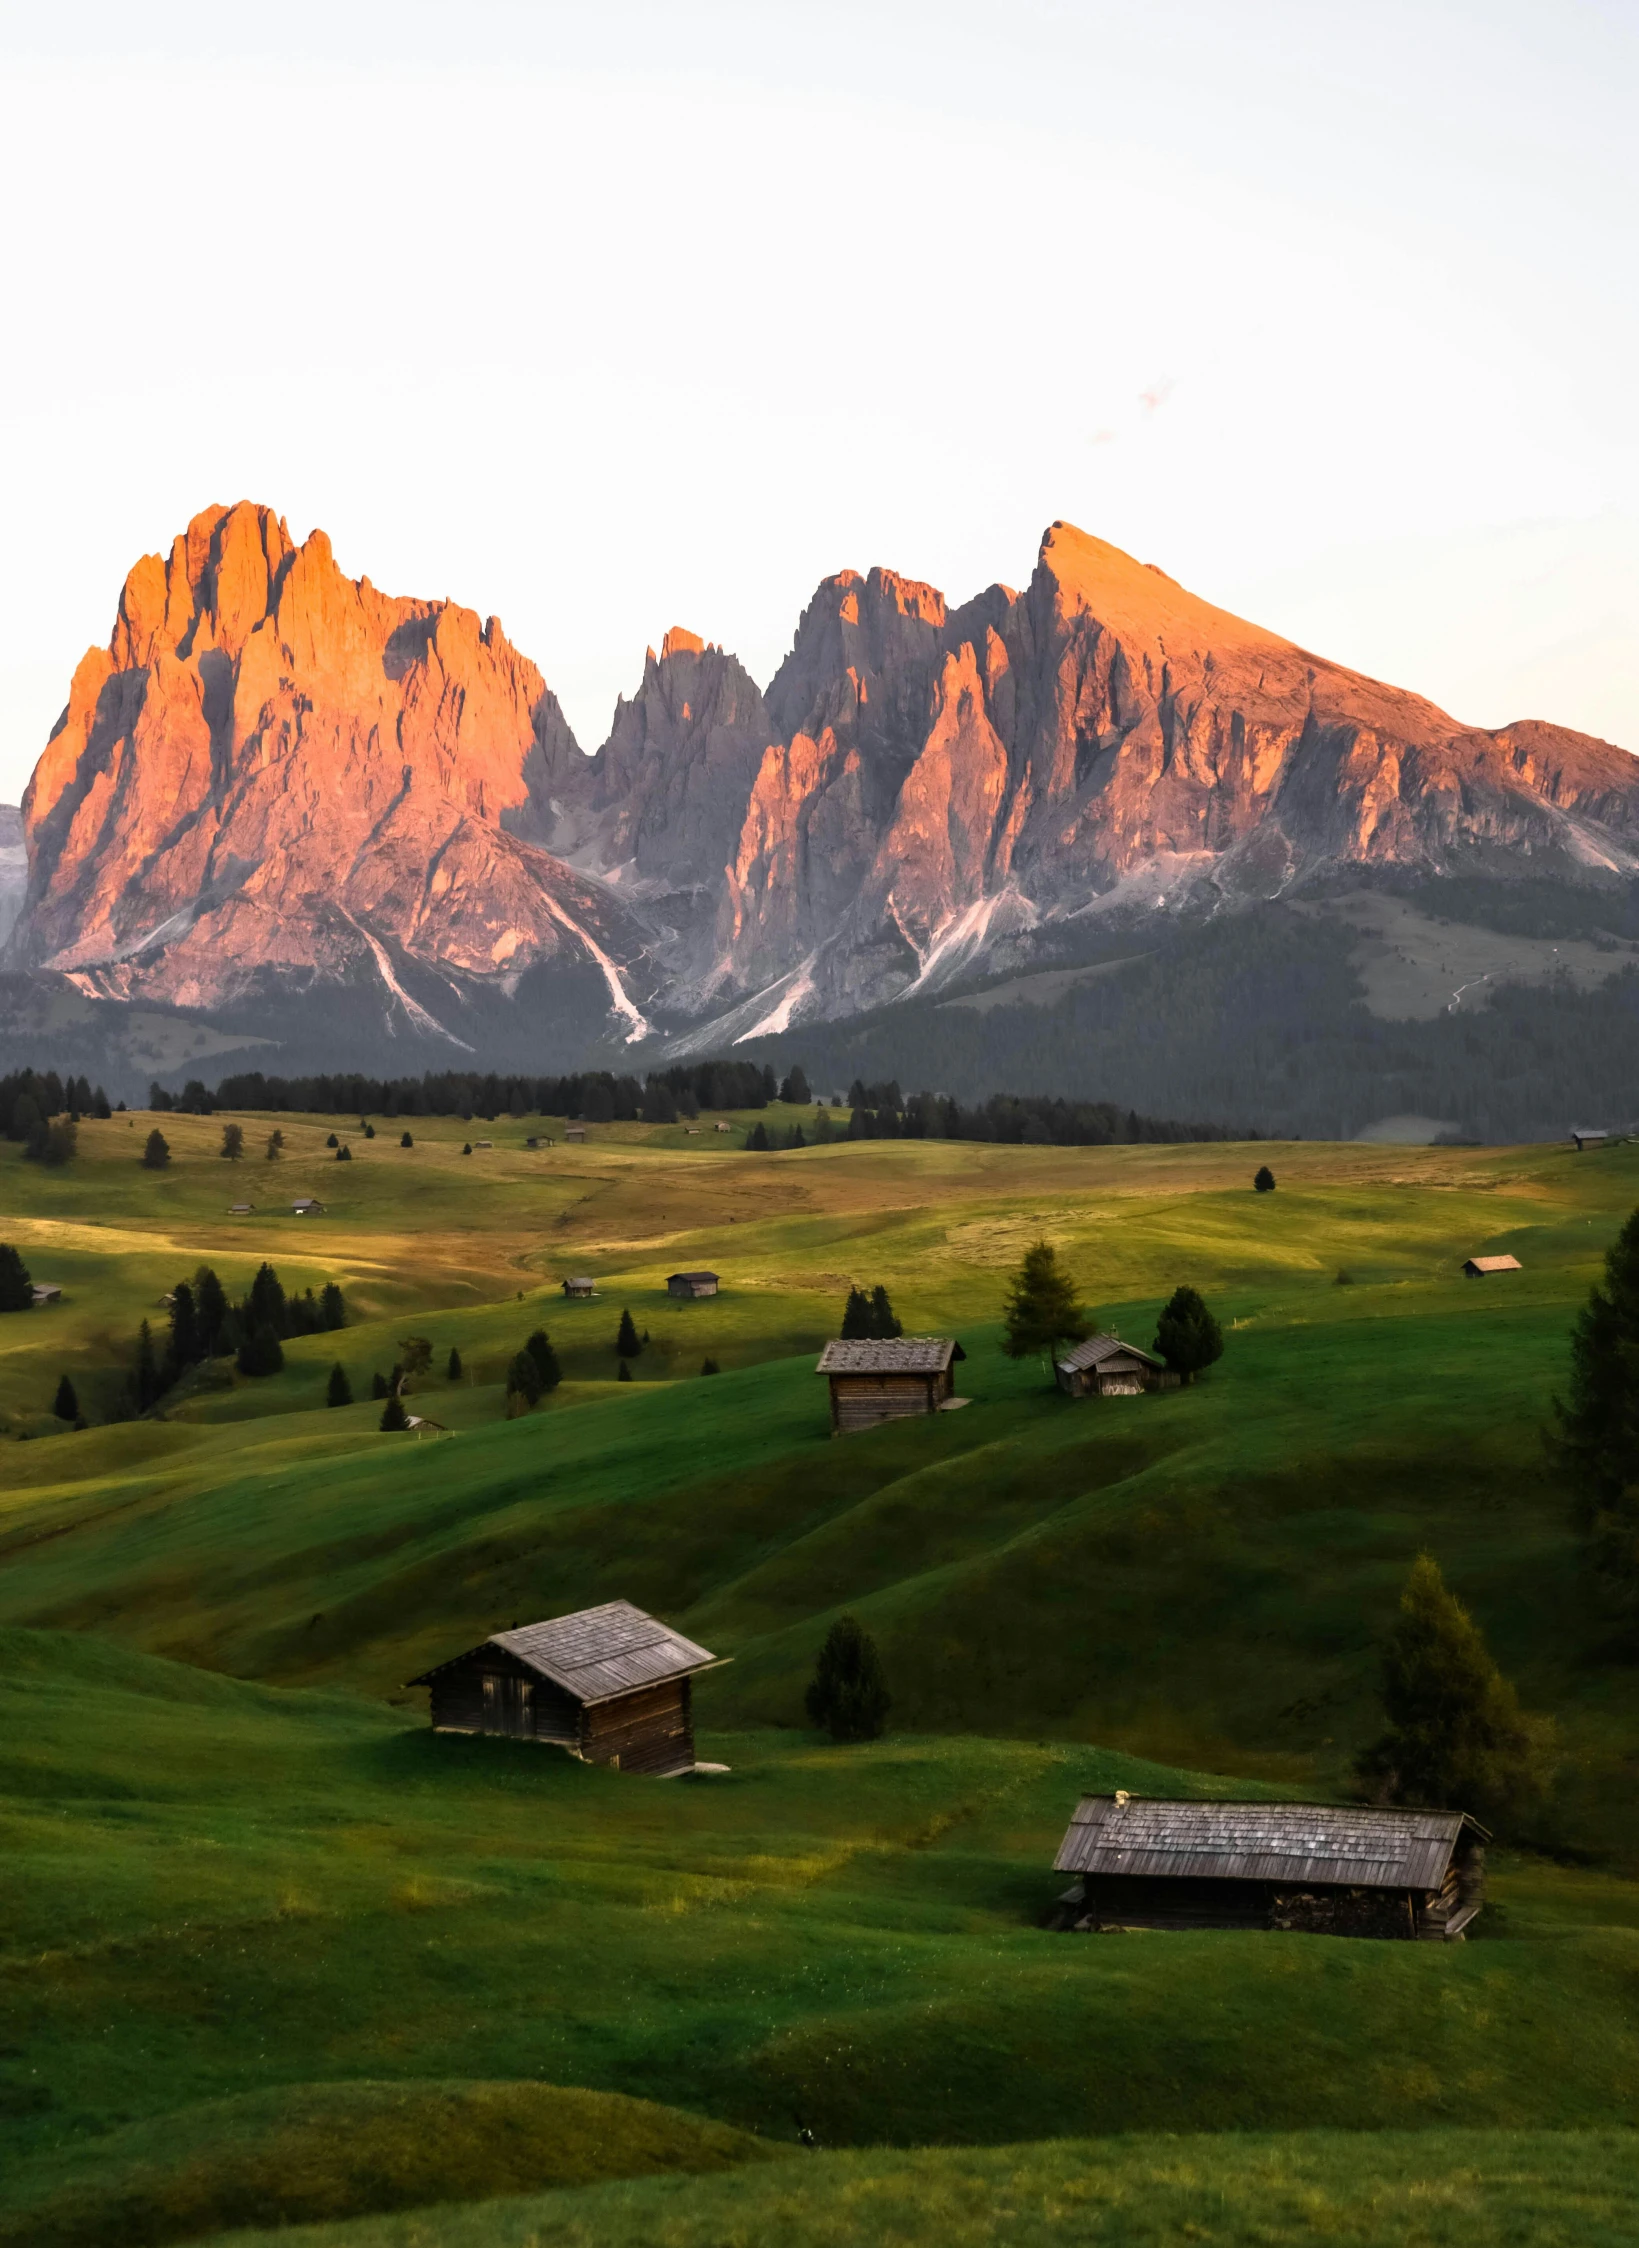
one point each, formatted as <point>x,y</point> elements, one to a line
<point>344,1154</point>
<point>856,1316</point>
<point>710,1366</point>
<point>260,1352</point>
<point>1456,1738</point>
<point>1187,1336</point>
<point>331,1140</point>
<point>1596,1441</point>
<point>523,1379</point>
<point>339,1390</point>
<point>275,1146</point>
<point>394,1419</point>
<point>467,1150</point>
<point>884,1326</point>
<point>1041,1310</point>
<point>626,1341</point>
<point>211,1314</point>
<point>757,1139</point>
<point>157,1153</point>
<point>452,1371</point>
<point>1264,1182</point>
<point>405,1140</point>
<point>625,1372</point>
<point>146,1382</point>
<point>65,1404</point>
<point>848,1695</point>
<point>265,1305</point>
<point>546,1358</point>
<point>380,1386</point>
<point>183,1349</point>
<point>16,1288</point>
<point>332,1308</point>
<point>233,1141</point>
<point>369,1130</point>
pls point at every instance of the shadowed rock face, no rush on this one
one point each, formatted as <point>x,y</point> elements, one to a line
<point>273,767</point>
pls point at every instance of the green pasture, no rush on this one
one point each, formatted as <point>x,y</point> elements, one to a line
<point>270,1946</point>
<point>1436,2189</point>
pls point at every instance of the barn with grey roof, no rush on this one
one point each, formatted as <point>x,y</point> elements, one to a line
<point>1328,1868</point>
<point>610,1684</point>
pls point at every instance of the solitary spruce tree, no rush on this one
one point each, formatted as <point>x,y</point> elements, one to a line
<point>540,1349</point>
<point>233,1141</point>
<point>848,1695</point>
<point>16,1288</point>
<point>1264,1181</point>
<point>1187,1336</point>
<point>1456,1738</point>
<point>1041,1310</point>
<point>626,1341</point>
<point>339,1390</point>
<point>452,1372</point>
<point>394,1419</point>
<point>65,1404</point>
<point>404,1140</point>
<point>1596,1440</point>
<point>157,1152</point>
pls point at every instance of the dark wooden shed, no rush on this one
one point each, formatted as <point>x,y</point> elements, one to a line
<point>688,1284</point>
<point>888,1381</point>
<point>1105,1366</point>
<point>1325,1868</point>
<point>580,1286</point>
<point>608,1684</point>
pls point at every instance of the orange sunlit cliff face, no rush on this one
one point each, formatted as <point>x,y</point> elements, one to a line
<point>274,768</point>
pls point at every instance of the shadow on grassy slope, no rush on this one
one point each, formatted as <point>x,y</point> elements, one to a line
<point>1445,2189</point>
<point>306,2151</point>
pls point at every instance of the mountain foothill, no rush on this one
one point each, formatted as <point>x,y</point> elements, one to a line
<point>279,794</point>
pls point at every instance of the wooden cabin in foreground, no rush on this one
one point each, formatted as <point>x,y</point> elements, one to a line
<point>690,1284</point>
<point>1105,1366</point>
<point>611,1685</point>
<point>1328,1869</point>
<point>888,1381</point>
<point>1477,1268</point>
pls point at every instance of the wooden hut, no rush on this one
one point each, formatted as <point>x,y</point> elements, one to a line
<point>580,1287</point>
<point>1477,1267</point>
<point>1105,1366</point>
<point>611,1685</point>
<point>1325,1868</point>
<point>574,1131</point>
<point>887,1381</point>
<point>690,1284</point>
<point>1589,1139</point>
<point>306,1206</point>
<point>46,1292</point>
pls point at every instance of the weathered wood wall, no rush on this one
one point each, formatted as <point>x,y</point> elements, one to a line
<point>1111,1900</point>
<point>862,1400</point>
<point>651,1731</point>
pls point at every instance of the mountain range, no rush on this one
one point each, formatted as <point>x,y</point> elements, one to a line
<point>297,809</point>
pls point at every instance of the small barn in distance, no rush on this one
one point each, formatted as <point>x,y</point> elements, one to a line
<point>1105,1366</point>
<point>1325,1868</point>
<point>580,1286</point>
<point>611,1685</point>
<point>1589,1139</point>
<point>888,1381</point>
<point>687,1284</point>
<point>1477,1267</point>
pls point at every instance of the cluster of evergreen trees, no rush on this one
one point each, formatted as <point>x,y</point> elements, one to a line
<point>206,1324</point>
<point>589,1096</point>
<point>869,1317</point>
<point>43,1111</point>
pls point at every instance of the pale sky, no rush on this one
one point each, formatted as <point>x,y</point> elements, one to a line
<point>612,317</point>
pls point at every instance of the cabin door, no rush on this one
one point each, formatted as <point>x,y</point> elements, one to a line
<point>509,1704</point>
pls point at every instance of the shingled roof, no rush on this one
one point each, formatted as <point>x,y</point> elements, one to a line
<point>1097,1348</point>
<point>906,1354</point>
<point>598,1653</point>
<point>1308,1844</point>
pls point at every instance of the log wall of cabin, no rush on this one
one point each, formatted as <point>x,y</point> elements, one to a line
<point>490,1691</point>
<point>1114,1900</point>
<point>649,1731</point>
<point>862,1400</point>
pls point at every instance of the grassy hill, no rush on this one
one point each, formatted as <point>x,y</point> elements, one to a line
<point>245,1872</point>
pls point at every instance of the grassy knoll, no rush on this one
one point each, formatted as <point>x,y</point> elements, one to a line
<point>240,1870</point>
<point>1456,2189</point>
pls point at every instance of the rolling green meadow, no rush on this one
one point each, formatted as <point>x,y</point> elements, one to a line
<point>272,1954</point>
